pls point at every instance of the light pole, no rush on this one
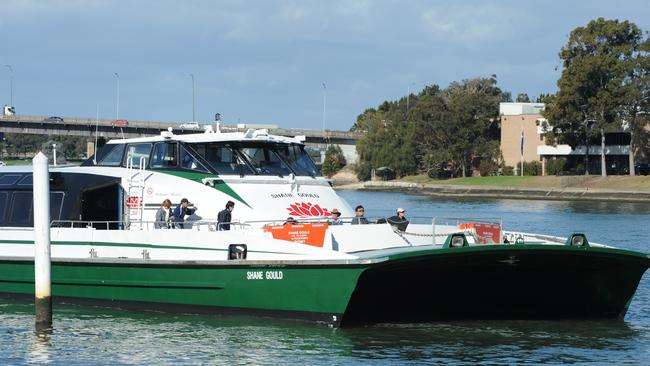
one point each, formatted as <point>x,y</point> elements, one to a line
<point>324,101</point>
<point>408,96</point>
<point>193,116</point>
<point>11,85</point>
<point>588,124</point>
<point>117,111</point>
<point>54,153</point>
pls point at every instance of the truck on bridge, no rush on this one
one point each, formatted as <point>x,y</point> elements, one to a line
<point>8,110</point>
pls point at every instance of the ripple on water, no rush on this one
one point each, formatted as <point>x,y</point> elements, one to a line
<point>86,335</point>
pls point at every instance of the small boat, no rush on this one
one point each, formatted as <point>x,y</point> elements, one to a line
<point>108,249</point>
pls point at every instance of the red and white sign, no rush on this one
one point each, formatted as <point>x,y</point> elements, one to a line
<point>134,202</point>
<point>485,233</point>
<point>310,234</point>
<point>307,209</point>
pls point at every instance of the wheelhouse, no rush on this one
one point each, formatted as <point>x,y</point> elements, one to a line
<point>214,157</point>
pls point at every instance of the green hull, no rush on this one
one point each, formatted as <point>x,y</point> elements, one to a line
<point>499,282</point>
<point>478,282</point>
<point>313,292</point>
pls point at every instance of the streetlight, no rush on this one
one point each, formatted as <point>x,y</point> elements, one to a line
<point>408,96</point>
<point>587,124</point>
<point>11,85</point>
<point>193,116</point>
<point>54,153</point>
<point>117,112</point>
<point>324,100</point>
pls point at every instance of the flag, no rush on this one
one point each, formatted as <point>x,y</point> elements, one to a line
<point>522,142</point>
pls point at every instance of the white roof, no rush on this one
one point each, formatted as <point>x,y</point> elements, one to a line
<point>250,135</point>
<point>516,109</point>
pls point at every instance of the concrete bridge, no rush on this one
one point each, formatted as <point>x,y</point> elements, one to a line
<point>82,126</point>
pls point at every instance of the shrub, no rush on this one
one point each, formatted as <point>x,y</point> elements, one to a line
<point>555,166</point>
<point>334,161</point>
<point>508,170</point>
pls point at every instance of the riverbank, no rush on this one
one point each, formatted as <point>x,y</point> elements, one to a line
<point>596,188</point>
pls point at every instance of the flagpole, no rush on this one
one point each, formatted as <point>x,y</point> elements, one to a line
<point>522,151</point>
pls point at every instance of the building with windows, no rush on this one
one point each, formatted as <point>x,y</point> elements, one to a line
<point>523,138</point>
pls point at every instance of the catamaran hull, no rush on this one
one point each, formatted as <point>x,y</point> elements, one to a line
<point>480,282</point>
<point>499,282</point>
<point>316,293</point>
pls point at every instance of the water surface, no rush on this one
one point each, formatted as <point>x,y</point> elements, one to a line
<point>86,335</point>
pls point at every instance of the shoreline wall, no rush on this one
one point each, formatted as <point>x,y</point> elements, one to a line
<point>507,192</point>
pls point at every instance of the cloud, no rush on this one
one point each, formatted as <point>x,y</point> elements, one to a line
<point>472,25</point>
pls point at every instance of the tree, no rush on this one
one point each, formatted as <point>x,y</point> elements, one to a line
<point>523,98</point>
<point>334,160</point>
<point>443,133</point>
<point>596,67</point>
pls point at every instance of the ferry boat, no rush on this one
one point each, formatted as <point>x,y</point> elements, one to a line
<point>108,249</point>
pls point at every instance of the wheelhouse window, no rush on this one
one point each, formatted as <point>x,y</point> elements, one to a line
<point>165,155</point>
<point>21,210</point>
<point>4,198</point>
<point>110,155</point>
<point>27,180</point>
<point>135,152</point>
<point>298,159</point>
<point>56,203</point>
<point>9,179</point>
<point>189,162</point>
<point>265,160</point>
<point>222,158</point>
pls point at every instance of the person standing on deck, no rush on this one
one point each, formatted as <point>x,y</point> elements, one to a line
<point>335,220</point>
<point>225,217</point>
<point>399,221</point>
<point>359,219</point>
<point>164,215</point>
<point>182,210</point>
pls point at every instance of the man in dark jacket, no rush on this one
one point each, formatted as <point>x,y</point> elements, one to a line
<point>399,221</point>
<point>359,218</point>
<point>225,216</point>
<point>181,211</point>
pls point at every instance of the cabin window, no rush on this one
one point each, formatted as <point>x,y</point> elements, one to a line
<point>110,155</point>
<point>222,158</point>
<point>3,206</point>
<point>27,180</point>
<point>20,213</point>
<point>56,203</point>
<point>188,161</point>
<point>298,160</point>
<point>265,160</point>
<point>135,152</point>
<point>9,179</point>
<point>165,155</point>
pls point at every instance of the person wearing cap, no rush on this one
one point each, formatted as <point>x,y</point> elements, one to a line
<point>185,208</point>
<point>399,221</point>
<point>359,218</point>
<point>335,220</point>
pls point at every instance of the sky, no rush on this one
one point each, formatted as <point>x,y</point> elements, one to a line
<point>296,64</point>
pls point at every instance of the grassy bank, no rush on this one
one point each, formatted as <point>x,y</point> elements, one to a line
<point>614,183</point>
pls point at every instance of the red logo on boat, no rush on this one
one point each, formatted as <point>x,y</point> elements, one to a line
<point>134,202</point>
<point>308,209</point>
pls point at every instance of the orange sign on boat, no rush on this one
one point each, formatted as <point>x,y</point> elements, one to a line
<point>486,233</point>
<point>308,233</point>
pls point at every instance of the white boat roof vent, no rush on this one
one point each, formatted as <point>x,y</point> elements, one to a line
<point>250,133</point>
<point>261,133</point>
<point>167,134</point>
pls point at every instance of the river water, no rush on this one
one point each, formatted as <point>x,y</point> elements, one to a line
<point>85,335</point>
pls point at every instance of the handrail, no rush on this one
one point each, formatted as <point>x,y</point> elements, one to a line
<point>215,225</point>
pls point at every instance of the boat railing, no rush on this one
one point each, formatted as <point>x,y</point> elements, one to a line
<point>439,226</point>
